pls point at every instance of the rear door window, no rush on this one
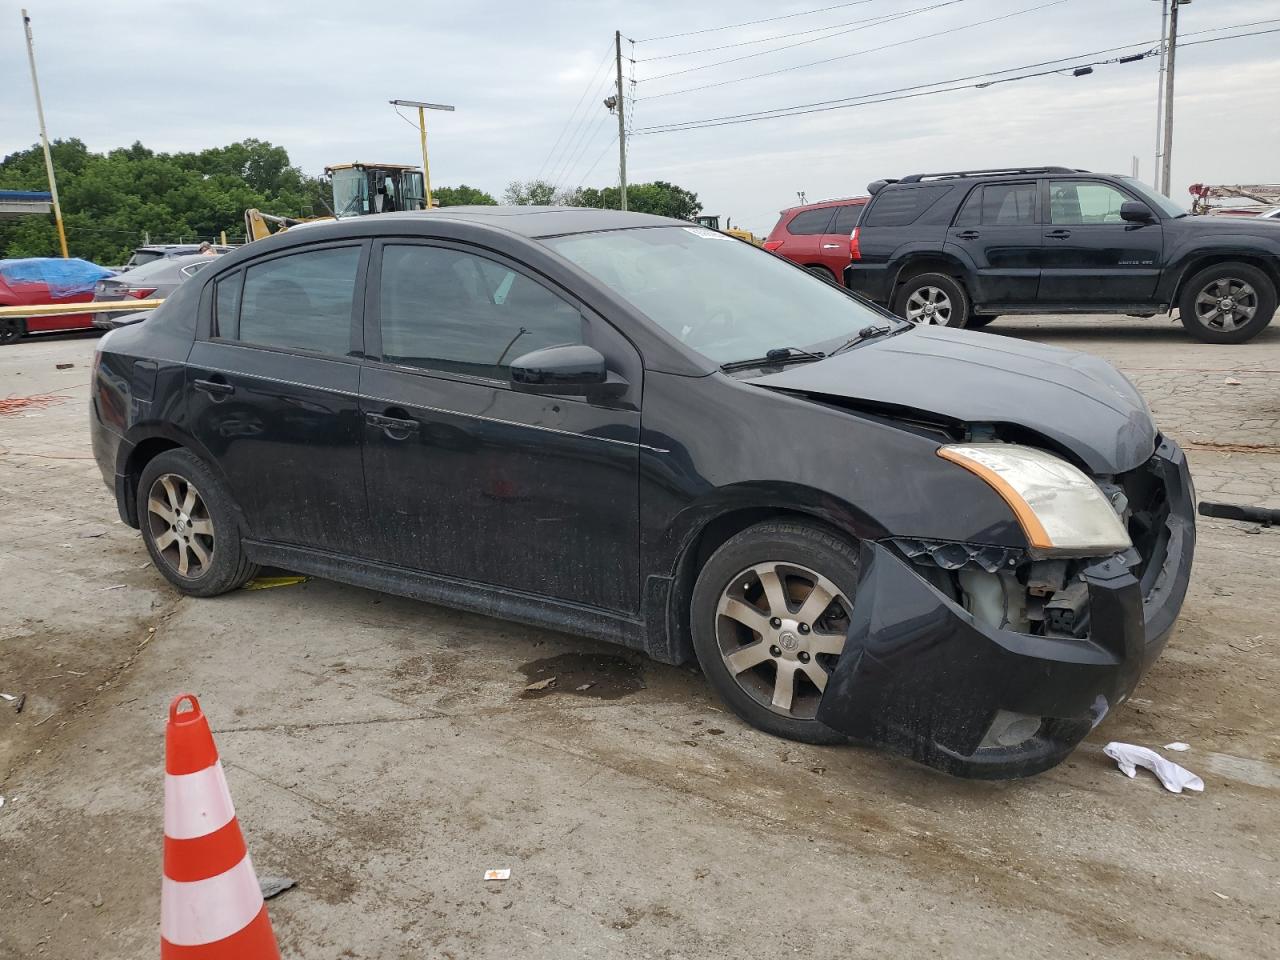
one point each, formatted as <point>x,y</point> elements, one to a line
<point>451,310</point>
<point>847,218</point>
<point>1009,204</point>
<point>301,301</point>
<point>810,222</point>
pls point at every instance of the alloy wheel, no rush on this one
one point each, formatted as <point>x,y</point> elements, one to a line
<point>180,525</point>
<point>780,628</point>
<point>1226,304</point>
<point>929,305</point>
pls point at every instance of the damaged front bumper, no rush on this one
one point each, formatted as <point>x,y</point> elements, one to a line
<point>921,676</point>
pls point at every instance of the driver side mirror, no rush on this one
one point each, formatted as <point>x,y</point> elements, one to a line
<point>573,369</point>
<point>1135,211</point>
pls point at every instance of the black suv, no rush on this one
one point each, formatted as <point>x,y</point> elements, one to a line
<point>959,248</point>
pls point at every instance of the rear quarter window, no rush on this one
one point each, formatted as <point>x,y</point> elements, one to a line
<point>898,207</point>
<point>810,222</point>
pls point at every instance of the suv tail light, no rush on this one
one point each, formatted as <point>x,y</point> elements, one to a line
<point>854,252</point>
<point>772,245</point>
<point>141,294</point>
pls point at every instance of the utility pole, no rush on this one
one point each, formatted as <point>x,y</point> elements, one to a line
<point>1166,154</point>
<point>622,123</point>
<point>1164,37</point>
<point>44,137</point>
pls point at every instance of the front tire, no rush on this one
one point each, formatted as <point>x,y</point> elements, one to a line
<point>1227,303</point>
<point>769,617</point>
<point>12,329</point>
<point>932,298</point>
<point>190,526</point>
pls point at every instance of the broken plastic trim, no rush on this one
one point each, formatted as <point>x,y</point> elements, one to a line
<point>953,555</point>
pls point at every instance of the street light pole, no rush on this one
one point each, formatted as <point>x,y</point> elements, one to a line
<point>422,132</point>
<point>622,125</point>
<point>44,136</point>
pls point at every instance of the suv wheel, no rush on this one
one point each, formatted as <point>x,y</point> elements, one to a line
<point>823,273</point>
<point>12,329</point>
<point>769,616</point>
<point>932,298</point>
<point>1227,303</point>
<point>190,526</point>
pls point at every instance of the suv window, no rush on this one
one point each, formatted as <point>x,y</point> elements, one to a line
<point>810,222</point>
<point>847,218</point>
<point>1082,201</point>
<point>301,301</point>
<point>899,207</point>
<point>445,309</point>
<point>999,204</point>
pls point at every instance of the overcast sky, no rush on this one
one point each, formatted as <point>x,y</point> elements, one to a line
<point>316,76</point>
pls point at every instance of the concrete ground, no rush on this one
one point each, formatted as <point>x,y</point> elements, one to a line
<point>380,751</point>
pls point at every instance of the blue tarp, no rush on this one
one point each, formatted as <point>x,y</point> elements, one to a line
<point>65,278</point>
<point>32,195</point>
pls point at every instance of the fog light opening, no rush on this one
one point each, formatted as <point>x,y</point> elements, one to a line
<point>1009,729</point>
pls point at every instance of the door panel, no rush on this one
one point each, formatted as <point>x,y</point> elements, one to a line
<point>833,249</point>
<point>997,230</point>
<point>468,478</point>
<point>802,237</point>
<point>1090,254</point>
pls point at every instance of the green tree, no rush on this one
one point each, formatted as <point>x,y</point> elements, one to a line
<point>461,196</point>
<point>111,202</point>
<point>538,193</point>
<point>659,197</point>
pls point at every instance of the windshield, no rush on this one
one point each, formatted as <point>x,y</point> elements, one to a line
<point>1159,201</point>
<point>723,297</point>
<point>350,193</point>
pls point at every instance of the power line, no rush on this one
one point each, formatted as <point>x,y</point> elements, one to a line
<point>590,83</point>
<point>776,36</point>
<point>858,53</point>
<point>752,23</point>
<point>560,168</point>
<point>908,93</point>
<point>866,25</point>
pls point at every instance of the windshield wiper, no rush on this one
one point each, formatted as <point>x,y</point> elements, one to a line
<point>775,357</point>
<point>866,333</point>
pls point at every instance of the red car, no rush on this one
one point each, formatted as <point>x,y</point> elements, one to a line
<point>46,280</point>
<point>816,235</point>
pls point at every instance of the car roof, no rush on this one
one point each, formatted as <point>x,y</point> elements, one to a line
<point>535,222</point>
<point>819,204</point>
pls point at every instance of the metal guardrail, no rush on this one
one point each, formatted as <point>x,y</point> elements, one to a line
<point>62,309</point>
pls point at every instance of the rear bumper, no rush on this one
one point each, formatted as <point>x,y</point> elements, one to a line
<point>869,279</point>
<point>921,677</point>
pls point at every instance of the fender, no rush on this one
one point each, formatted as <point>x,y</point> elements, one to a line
<point>127,471</point>
<point>1212,249</point>
<point>912,253</point>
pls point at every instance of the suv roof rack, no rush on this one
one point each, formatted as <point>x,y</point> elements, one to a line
<point>917,177</point>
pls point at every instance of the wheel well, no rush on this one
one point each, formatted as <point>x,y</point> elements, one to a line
<point>928,264</point>
<point>696,554</point>
<point>820,266</point>
<point>1270,269</point>
<point>142,454</point>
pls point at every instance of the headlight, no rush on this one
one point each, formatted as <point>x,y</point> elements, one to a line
<point>1062,512</point>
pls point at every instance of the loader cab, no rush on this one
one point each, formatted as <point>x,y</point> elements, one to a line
<point>363,188</point>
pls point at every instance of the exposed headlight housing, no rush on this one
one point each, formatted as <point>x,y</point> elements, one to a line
<point>1062,511</point>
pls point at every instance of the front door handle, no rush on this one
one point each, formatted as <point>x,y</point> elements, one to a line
<point>1058,234</point>
<point>968,235</point>
<point>214,388</point>
<point>396,427</point>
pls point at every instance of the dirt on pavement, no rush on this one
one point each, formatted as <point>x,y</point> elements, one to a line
<point>385,753</point>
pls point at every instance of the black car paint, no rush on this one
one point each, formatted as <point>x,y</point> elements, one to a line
<point>1113,267</point>
<point>587,515</point>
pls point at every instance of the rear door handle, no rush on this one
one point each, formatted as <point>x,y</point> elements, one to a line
<point>392,425</point>
<point>968,235</point>
<point>832,246</point>
<point>1058,234</point>
<point>214,388</point>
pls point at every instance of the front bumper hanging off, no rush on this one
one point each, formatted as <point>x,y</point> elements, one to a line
<point>921,677</point>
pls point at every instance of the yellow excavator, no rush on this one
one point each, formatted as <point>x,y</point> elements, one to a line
<point>357,189</point>
<point>712,222</point>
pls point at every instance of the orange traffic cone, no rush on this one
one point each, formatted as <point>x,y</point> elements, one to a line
<point>210,903</point>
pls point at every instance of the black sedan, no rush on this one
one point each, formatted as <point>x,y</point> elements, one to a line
<point>961,547</point>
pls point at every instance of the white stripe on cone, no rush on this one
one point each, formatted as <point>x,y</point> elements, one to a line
<point>204,911</point>
<point>196,804</point>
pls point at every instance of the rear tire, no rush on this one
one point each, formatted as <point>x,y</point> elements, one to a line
<point>12,329</point>
<point>932,298</point>
<point>800,577</point>
<point>1227,303</point>
<point>980,320</point>
<point>824,273</point>
<point>190,526</point>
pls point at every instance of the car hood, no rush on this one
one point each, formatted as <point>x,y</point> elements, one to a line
<point>1228,226</point>
<point>1076,400</point>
